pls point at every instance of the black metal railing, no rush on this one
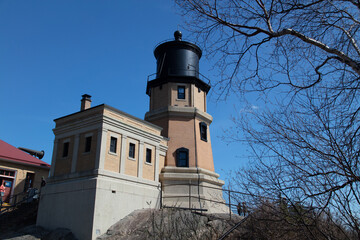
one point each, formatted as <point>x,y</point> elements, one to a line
<point>19,199</point>
<point>231,203</point>
<point>227,194</point>
<point>150,77</point>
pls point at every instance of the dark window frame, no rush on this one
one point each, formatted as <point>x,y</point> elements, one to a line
<point>88,141</point>
<point>132,150</point>
<point>180,153</point>
<point>66,146</point>
<point>148,155</point>
<point>180,95</point>
<point>203,131</point>
<point>113,144</point>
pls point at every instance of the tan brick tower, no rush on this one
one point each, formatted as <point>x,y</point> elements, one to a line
<point>178,105</point>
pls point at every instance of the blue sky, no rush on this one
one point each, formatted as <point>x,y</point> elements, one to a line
<point>52,52</point>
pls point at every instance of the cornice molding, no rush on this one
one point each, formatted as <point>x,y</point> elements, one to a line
<point>175,111</point>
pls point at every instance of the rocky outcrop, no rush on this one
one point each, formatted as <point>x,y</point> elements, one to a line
<point>38,233</point>
<point>170,223</point>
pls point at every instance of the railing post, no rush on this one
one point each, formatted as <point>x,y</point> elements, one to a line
<point>189,195</point>
<point>161,200</point>
<point>229,204</point>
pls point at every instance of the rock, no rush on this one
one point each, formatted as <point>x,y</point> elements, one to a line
<point>60,234</point>
<point>28,233</point>
<point>168,223</point>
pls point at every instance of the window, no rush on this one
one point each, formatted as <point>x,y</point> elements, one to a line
<point>88,144</point>
<point>203,131</point>
<point>113,143</point>
<point>29,180</point>
<point>148,155</point>
<point>181,92</point>
<point>131,150</point>
<point>182,157</point>
<point>65,149</point>
<point>7,173</point>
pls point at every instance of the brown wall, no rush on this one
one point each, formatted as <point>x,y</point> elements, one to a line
<point>199,99</point>
<point>159,96</point>
<point>131,165</point>
<point>167,96</point>
<point>20,175</point>
<point>180,102</point>
<point>161,162</point>
<point>63,164</point>
<point>112,161</point>
<point>181,134</point>
<point>164,123</point>
<point>86,160</point>
<point>149,169</point>
<point>205,156</point>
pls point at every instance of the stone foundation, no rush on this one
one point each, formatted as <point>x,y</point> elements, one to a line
<point>89,203</point>
<point>192,188</point>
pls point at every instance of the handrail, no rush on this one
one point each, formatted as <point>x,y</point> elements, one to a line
<point>190,197</point>
<point>190,70</point>
<point>16,196</point>
<point>233,228</point>
<point>230,205</point>
<point>218,188</point>
<point>18,203</point>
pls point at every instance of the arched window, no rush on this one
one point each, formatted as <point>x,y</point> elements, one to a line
<point>182,157</point>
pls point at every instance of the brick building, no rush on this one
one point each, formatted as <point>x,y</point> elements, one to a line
<point>107,163</point>
<point>19,171</point>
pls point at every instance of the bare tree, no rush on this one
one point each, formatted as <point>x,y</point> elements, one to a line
<point>304,57</point>
<point>273,43</point>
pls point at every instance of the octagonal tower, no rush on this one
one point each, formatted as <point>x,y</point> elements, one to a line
<point>178,105</point>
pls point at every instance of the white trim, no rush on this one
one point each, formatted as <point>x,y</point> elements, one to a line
<point>112,153</point>
<point>71,129</point>
<point>135,142</point>
<point>192,93</point>
<point>75,153</point>
<point>141,159</point>
<point>101,148</point>
<point>53,160</point>
<point>116,136</point>
<point>123,153</point>
<point>152,148</point>
<point>157,159</point>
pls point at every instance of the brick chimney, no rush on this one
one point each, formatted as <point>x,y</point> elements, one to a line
<point>85,102</point>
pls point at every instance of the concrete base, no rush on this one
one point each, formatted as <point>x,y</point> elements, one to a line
<point>192,188</point>
<point>88,204</point>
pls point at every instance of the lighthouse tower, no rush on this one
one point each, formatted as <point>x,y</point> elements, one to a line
<point>178,105</point>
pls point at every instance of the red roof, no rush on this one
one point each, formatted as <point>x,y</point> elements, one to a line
<point>9,152</point>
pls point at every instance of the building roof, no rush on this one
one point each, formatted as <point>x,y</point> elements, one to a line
<point>105,106</point>
<point>11,153</point>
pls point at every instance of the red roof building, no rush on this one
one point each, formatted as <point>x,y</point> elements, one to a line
<point>19,171</point>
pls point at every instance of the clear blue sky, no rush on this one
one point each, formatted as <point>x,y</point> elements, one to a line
<point>52,52</point>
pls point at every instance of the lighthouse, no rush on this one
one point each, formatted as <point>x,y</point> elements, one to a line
<point>178,105</point>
